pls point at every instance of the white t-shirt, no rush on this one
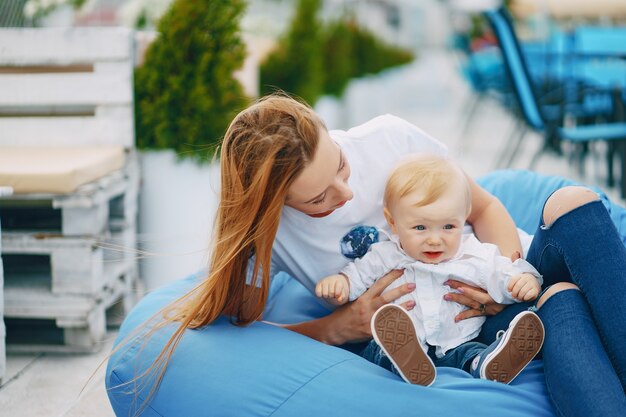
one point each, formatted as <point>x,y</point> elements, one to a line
<point>310,248</point>
<point>475,263</point>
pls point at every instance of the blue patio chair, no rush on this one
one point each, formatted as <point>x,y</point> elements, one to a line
<point>532,112</point>
<point>483,71</point>
<point>600,41</point>
<point>560,92</point>
<point>600,59</point>
<point>590,62</point>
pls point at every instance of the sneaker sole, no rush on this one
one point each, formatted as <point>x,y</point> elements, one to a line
<point>393,330</point>
<point>520,345</point>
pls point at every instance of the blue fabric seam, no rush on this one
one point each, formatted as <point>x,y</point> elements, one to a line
<point>114,373</point>
<point>133,345</point>
<point>306,383</point>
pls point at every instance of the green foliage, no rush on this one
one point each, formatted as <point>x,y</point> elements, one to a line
<point>338,57</point>
<point>296,65</point>
<point>33,10</point>
<point>185,92</point>
<point>311,59</point>
<point>371,55</point>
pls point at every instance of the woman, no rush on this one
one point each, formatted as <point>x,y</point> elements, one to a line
<point>290,202</point>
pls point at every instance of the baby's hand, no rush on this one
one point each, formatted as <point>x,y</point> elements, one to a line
<point>524,287</point>
<point>334,288</point>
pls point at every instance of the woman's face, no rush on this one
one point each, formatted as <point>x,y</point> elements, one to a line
<point>322,187</point>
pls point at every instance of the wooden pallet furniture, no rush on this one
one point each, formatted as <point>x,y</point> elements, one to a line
<point>2,329</point>
<point>67,149</point>
<point>3,191</point>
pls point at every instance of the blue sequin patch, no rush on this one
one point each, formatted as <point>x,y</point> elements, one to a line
<point>357,241</point>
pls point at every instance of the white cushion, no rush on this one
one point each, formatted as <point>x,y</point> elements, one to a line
<point>56,170</point>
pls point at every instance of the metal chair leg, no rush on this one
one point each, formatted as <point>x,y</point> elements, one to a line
<point>504,153</point>
<point>475,102</point>
<point>535,159</point>
<point>610,155</point>
<point>516,148</point>
<point>622,157</point>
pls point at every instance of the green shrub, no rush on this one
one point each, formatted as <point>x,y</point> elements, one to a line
<point>371,55</point>
<point>351,51</point>
<point>338,58</point>
<point>185,92</point>
<point>311,59</point>
<point>296,65</point>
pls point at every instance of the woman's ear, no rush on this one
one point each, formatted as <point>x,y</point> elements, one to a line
<point>389,219</point>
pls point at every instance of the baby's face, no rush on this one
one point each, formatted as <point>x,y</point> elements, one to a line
<point>431,233</point>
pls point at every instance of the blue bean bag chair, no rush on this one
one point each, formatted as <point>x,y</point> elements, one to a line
<point>523,193</point>
<point>263,370</point>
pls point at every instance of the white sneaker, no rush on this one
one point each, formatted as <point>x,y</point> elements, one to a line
<point>394,332</point>
<point>505,358</point>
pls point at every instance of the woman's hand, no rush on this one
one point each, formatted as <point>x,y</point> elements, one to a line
<point>478,300</point>
<point>351,322</point>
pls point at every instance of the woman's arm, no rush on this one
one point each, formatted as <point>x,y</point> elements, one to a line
<point>491,222</point>
<point>351,322</point>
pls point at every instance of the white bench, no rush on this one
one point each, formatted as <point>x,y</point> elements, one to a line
<point>67,149</point>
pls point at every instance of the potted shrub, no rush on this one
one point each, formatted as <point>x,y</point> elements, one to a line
<point>185,92</point>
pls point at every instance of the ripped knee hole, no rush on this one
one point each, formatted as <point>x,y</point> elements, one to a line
<point>556,288</point>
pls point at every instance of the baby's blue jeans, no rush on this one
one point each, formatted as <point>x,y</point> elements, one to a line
<point>459,357</point>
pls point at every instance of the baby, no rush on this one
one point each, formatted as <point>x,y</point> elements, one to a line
<point>426,203</point>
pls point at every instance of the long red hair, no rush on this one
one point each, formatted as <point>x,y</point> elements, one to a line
<point>264,150</point>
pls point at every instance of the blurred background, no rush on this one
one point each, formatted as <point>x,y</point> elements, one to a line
<point>537,84</point>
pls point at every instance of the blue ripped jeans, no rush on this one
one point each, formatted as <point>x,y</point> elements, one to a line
<point>584,351</point>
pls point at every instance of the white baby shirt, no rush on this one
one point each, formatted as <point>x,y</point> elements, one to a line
<point>476,263</point>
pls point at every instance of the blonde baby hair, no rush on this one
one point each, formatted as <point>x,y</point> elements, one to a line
<point>428,173</point>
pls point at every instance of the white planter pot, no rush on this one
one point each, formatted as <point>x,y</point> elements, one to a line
<point>177,205</point>
<point>62,16</point>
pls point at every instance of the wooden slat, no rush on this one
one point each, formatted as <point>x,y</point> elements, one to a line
<point>64,46</point>
<point>110,126</point>
<point>96,192</point>
<point>66,89</point>
<point>30,296</point>
<point>20,243</point>
<point>28,299</point>
<point>21,349</point>
<point>38,69</point>
<point>47,111</point>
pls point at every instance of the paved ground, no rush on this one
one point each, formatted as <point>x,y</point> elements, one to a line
<point>50,385</point>
<point>427,93</point>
